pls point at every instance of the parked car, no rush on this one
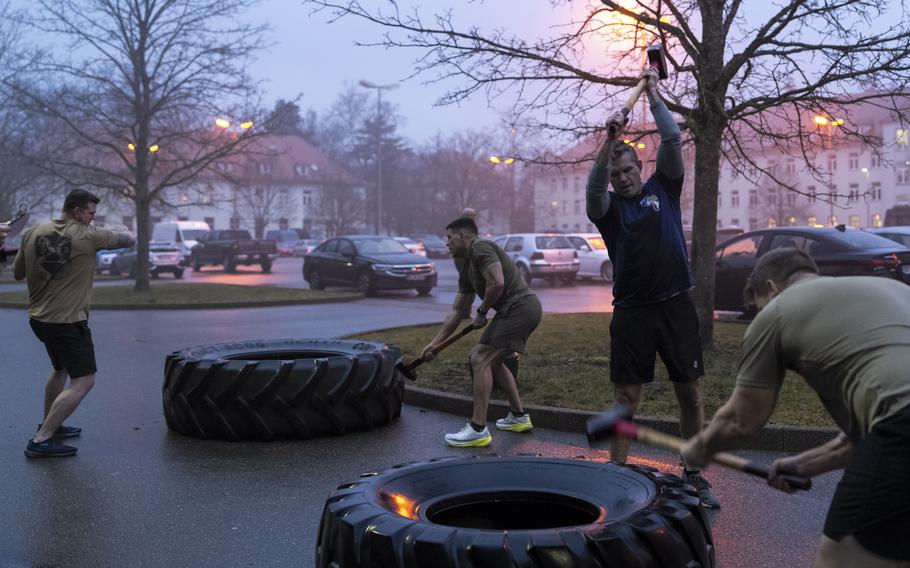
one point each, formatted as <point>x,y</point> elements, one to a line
<point>722,234</point>
<point>163,257</point>
<point>549,256</point>
<point>837,251</point>
<point>232,247</point>
<point>899,235</point>
<point>594,261</point>
<point>413,246</point>
<point>371,263</point>
<point>103,259</point>
<point>286,240</point>
<point>434,245</point>
<point>305,246</point>
<point>184,234</point>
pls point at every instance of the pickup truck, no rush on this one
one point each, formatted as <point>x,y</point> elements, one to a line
<point>231,248</point>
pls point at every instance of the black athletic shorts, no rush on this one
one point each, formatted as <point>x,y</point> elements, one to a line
<point>668,328</point>
<point>69,346</point>
<point>872,500</point>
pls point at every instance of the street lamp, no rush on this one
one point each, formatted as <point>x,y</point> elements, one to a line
<point>379,89</point>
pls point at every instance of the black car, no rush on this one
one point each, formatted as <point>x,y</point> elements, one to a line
<point>370,263</point>
<point>433,244</point>
<point>837,251</point>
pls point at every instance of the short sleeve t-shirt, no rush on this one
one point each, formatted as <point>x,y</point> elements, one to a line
<point>59,261</point>
<point>647,247</point>
<point>480,255</point>
<point>849,337</point>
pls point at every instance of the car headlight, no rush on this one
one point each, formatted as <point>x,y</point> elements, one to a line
<point>382,267</point>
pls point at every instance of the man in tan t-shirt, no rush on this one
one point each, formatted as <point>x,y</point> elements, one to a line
<point>58,259</point>
<point>849,338</point>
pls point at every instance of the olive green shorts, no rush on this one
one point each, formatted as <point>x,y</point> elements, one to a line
<point>511,329</point>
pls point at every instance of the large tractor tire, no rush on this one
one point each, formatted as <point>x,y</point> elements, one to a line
<point>515,512</point>
<point>295,388</point>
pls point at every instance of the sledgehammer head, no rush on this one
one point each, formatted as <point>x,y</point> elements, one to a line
<point>658,60</point>
<point>406,370</point>
<point>603,425</point>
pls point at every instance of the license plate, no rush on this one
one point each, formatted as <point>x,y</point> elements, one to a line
<point>414,277</point>
<point>906,269</point>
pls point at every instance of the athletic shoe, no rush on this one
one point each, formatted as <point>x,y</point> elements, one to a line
<point>513,423</point>
<point>708,500</point>
<point>65,431</point>
<point>468,437</point>
<point>48,449</point>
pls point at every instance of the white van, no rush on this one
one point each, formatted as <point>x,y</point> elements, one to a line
<point>184,234</point>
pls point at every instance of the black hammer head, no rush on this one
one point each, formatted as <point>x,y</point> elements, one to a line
<point>406,371</point>
<point>602,425</point>
<point>658,60</point>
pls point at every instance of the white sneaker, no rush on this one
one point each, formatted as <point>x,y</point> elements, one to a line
<point>513,423</point>
<point>468,437</point>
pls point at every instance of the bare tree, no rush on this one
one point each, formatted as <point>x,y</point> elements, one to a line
<point>739,82</point>
<point>134,88</point>
<point>341,206</point>
<point>263,202</point>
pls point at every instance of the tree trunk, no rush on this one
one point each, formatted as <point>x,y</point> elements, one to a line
<point>143,236</point>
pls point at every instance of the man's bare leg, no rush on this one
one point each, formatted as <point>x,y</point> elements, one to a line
<point>849,553</point>
<point>627,395</point>
<point>691,408</point>
<point>507,383</point>
<point>483,357</point>
<point>65,404</point>
<point>55,385</point>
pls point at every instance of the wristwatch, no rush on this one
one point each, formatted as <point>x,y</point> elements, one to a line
<point>481,312</point>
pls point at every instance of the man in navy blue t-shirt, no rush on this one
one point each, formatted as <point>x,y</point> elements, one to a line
<point>653,314</point>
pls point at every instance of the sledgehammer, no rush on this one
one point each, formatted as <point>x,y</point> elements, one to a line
<point>408,370</point>
<point>657,60</point>
<point>615,422</point>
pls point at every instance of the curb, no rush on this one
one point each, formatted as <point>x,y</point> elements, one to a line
<point>201,306</point>
<point>773,438</point>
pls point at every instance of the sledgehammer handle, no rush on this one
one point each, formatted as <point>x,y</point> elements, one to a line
<point>449,341</point>
<point>653,437</point>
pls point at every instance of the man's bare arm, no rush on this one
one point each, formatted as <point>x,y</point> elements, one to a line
<point>496,283</point>
<point>461,309</point>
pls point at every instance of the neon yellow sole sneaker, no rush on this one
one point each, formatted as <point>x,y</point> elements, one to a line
<point>512,423</point>
<point>468,437</point>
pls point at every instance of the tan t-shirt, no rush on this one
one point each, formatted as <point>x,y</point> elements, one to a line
<point>59,261</point>
<point>849,337</point>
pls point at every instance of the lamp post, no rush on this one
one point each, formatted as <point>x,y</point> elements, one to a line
<point>379,89</point>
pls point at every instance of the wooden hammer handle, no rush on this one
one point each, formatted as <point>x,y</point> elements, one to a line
<point>448,341</point>
<point>653,437</point>
<point>630,104</point>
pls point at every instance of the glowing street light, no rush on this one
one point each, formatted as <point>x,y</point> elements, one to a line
<point>506,161</point>
<point>153,148</point>
<point>820,120</point>
<point>247,125</point>
<point>222,122</point>
<point>131,146</point>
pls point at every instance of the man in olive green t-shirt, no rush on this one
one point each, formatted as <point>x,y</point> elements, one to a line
<point>486,271</point>
<point>58,260</point>
<point>849,338</point>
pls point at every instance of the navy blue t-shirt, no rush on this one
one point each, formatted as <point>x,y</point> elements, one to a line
<point>644,237</point>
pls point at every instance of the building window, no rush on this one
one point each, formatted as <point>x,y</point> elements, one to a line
<point>772,167</point>
<point>565,184</point>
<point>183,217</point>
<point>902,137</point>
<point>210,221</point>
<point>791,167</point>
<point>577,182</point>
<point>832,162</point>
<point>812,195</point>
<point>876,161</point>
<point>791,198</point>
<point>307,198</point>
<point>577,207</point>
<point>854,221</point>
<point>223,167</point>
<point>577,226</point>
<point>565,225</point>
<point>734,199</point>
<point>753,198</point>
<point>300,170</point>
<point>903,176</point>
<point>772,199</point>
<point>128,221</point>
<point>265,168</point>
<point>877,220</point>
<point>753,223</point>
<point>876,191</point>
<point>284,200</point>
<point>283,224</point>
<point>235,223</point>
<point>772,222</point>
<point>853,162</point>
<point>853,195</point>
<point>734,222</point>
<point>565,207</point>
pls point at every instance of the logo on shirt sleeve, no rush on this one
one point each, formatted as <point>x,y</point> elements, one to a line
<point>650,201</point>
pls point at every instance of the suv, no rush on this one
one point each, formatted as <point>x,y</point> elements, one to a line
<point>541,255</point>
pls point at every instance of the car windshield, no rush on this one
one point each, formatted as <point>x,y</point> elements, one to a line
<point>597,243</point>
<point>193,234</point>
<point>234,235</point>
<point>162,249</point>
<point>406,241</point>
<point>861,240</point>
<point>553,242</point>
<point>379,246</point>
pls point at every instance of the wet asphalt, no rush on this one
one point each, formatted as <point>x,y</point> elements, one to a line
<point>139,495</point>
